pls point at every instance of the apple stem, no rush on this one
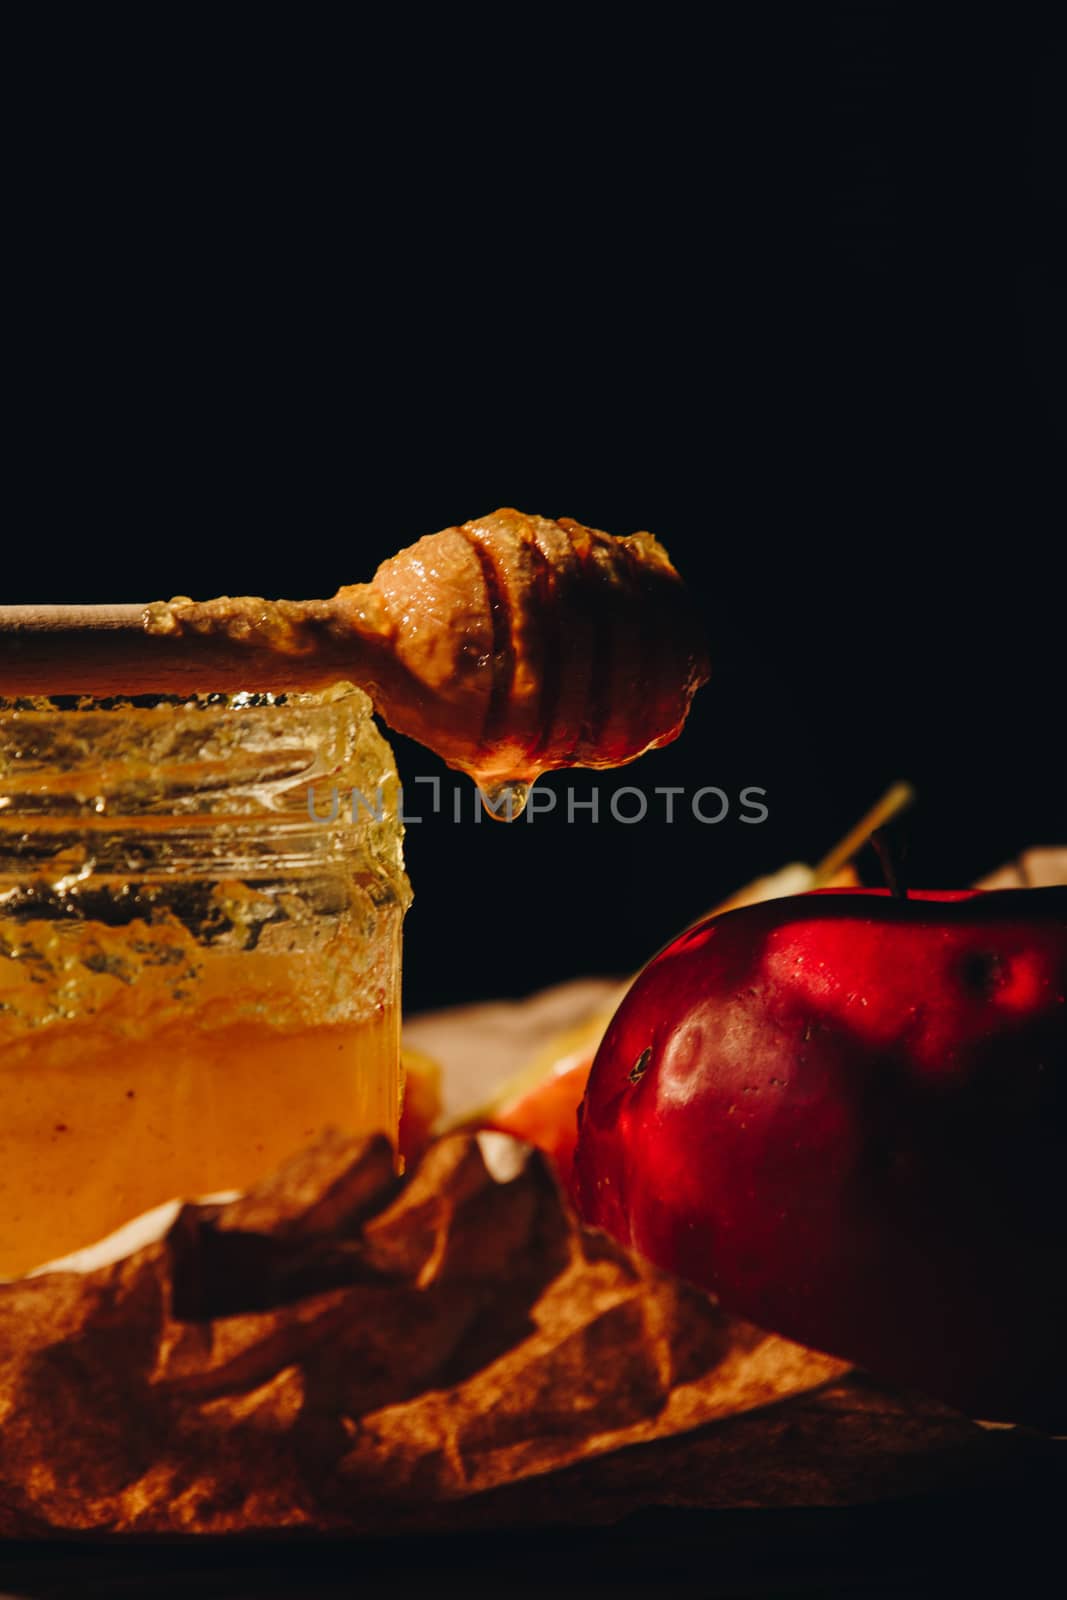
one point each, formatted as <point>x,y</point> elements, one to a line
<point>890,856</point>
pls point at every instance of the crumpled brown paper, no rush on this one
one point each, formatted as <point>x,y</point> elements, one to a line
<point>340,1350</point>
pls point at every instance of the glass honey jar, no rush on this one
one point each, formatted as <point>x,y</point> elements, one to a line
<point>200,919</point>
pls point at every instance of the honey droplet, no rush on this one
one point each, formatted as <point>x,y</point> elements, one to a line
<point>504,801</point>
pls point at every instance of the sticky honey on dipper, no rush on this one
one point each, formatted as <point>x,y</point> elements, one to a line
<point>510,646</point>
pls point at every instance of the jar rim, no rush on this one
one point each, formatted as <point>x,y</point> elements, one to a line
<point>216,782</point>
<point>201,756</point>
<point>259,705</point>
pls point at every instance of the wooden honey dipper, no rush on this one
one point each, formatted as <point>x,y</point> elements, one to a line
<point>510,645</point>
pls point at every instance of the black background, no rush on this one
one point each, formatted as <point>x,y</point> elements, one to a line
<point>787,290</point>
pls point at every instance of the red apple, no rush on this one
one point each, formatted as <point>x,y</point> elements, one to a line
<point>846,1115</point>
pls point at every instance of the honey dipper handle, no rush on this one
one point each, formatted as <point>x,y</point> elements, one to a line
<point>68,649</point>
<point>63,619</point>
<point>224,647</point>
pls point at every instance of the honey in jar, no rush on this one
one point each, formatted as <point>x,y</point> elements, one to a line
<point>200,916</point>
